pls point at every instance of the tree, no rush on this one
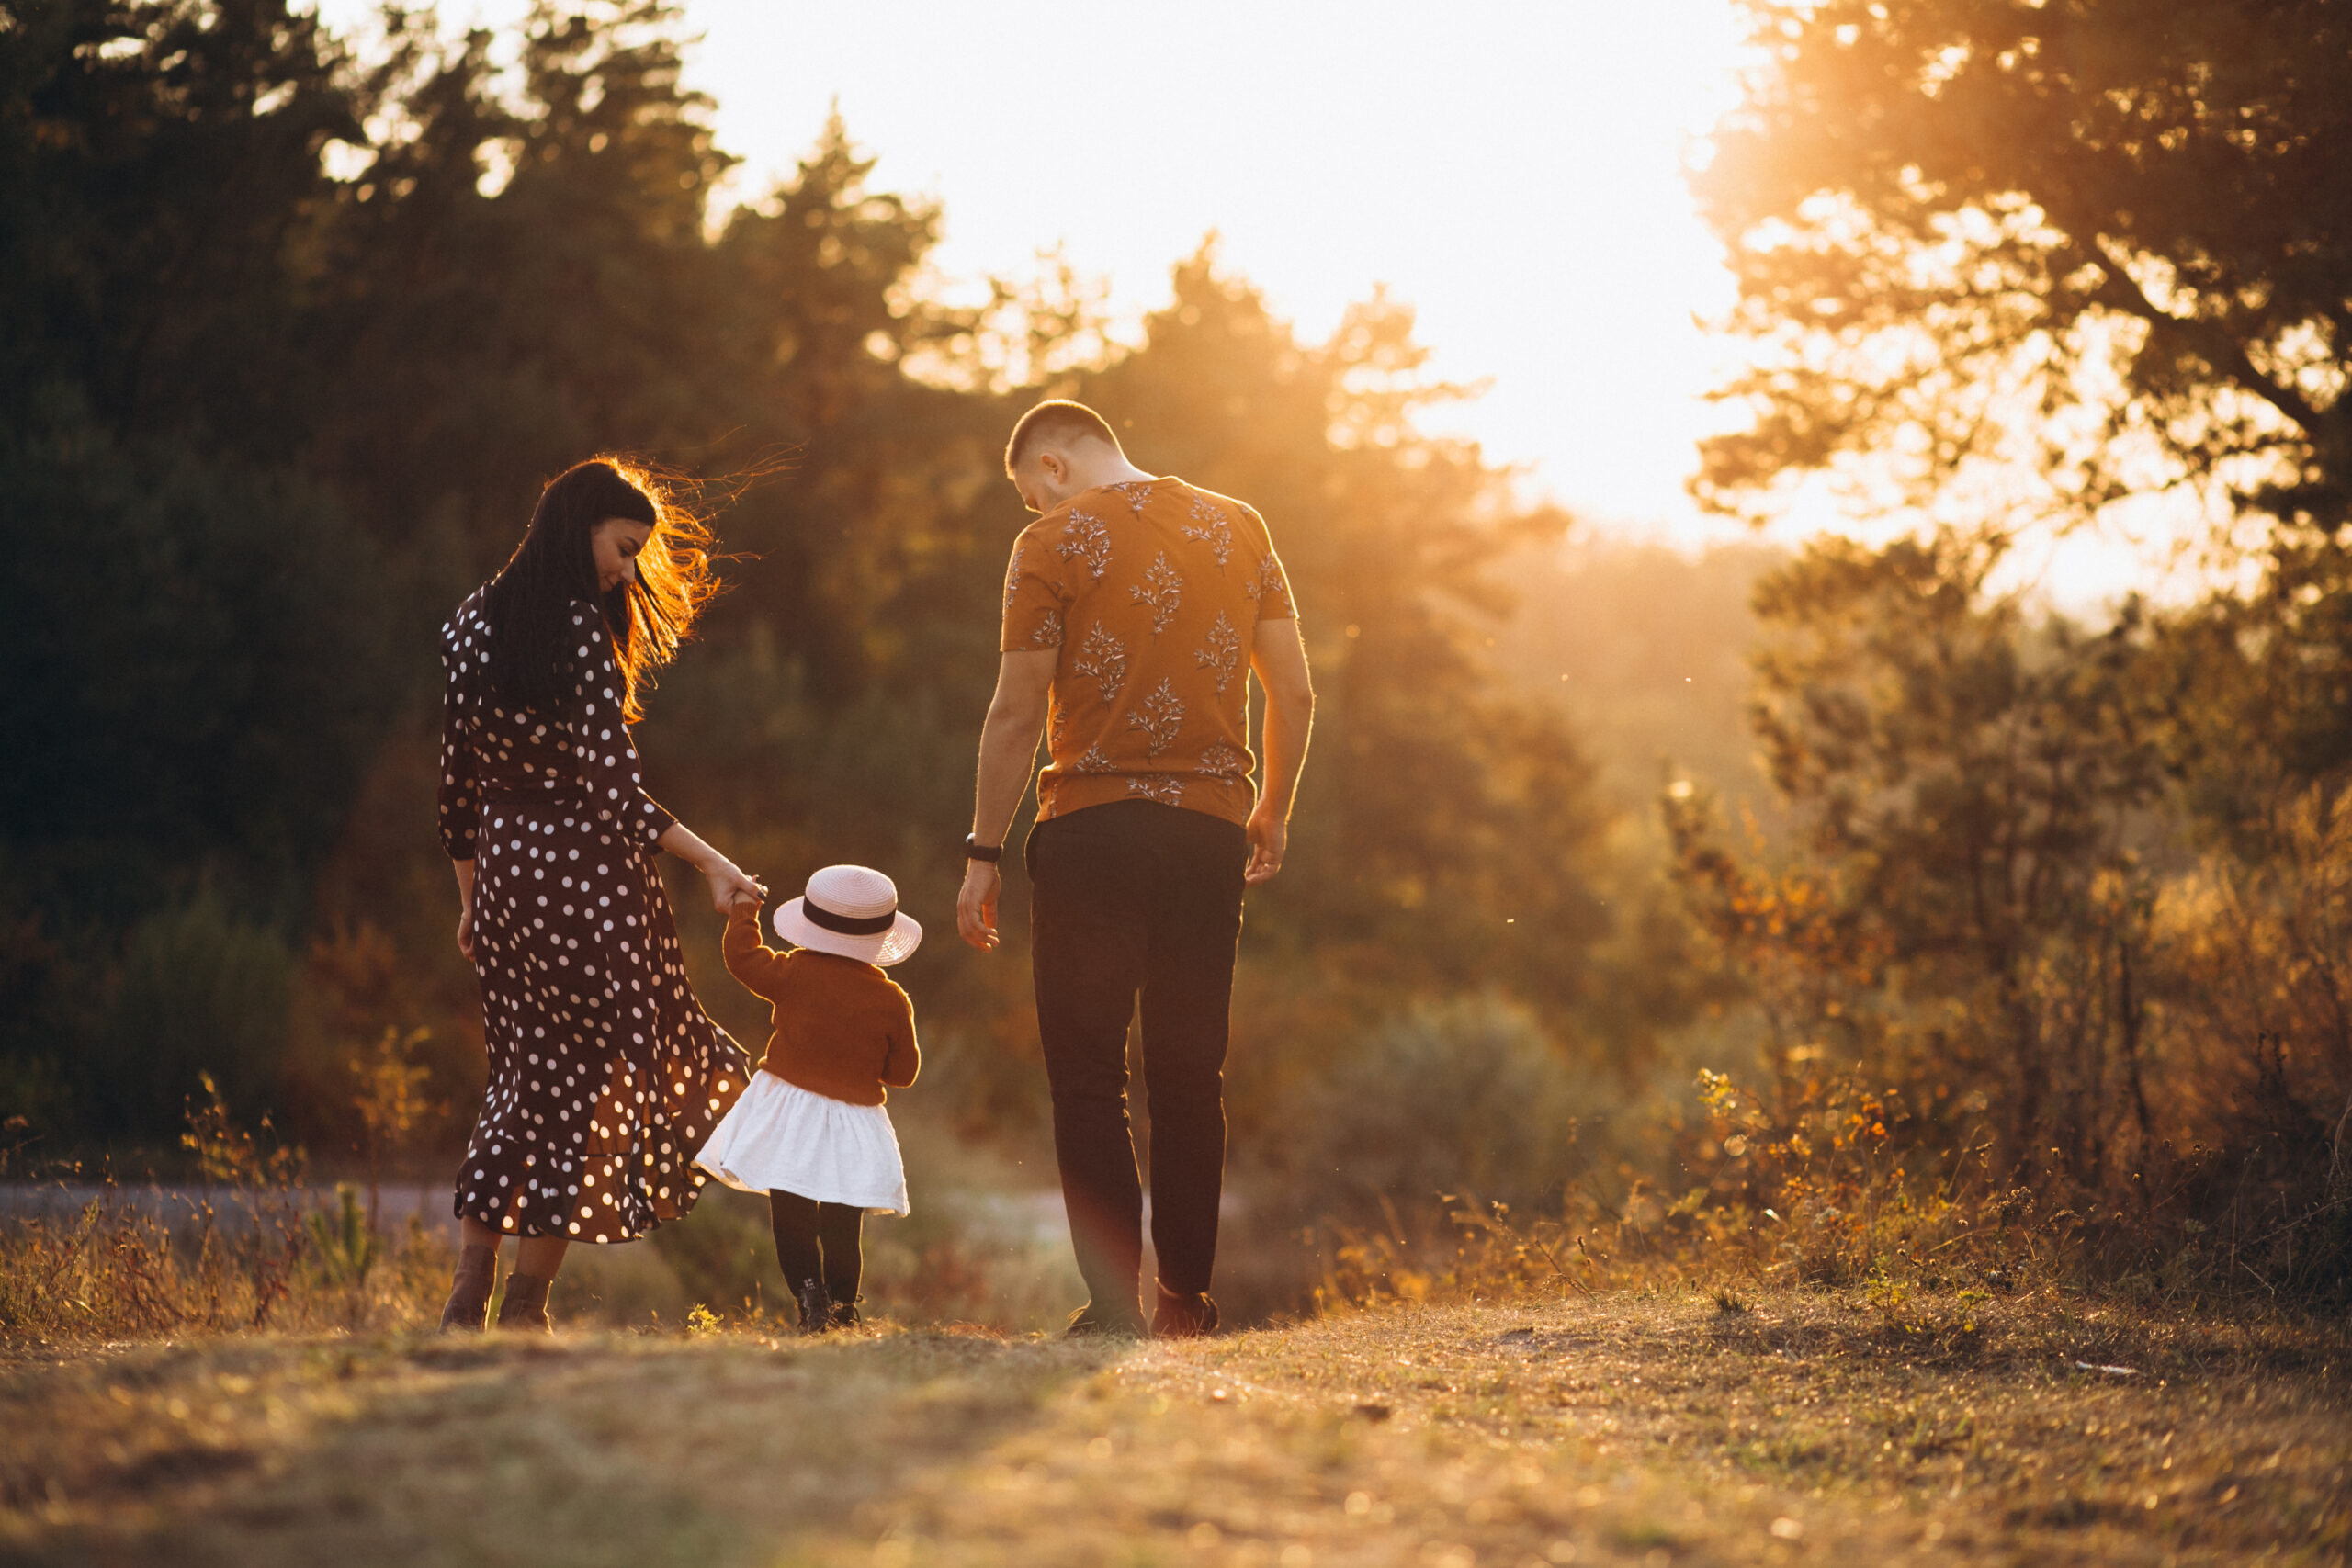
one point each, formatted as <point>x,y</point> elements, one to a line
<point>159,178</point>
<point>1967,908</point>
<point>2109,243</point>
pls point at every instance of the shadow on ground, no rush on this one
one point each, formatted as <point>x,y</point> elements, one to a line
<point>585,1450</point>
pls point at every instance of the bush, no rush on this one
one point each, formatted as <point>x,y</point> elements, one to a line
<point>1461,1098</point>
<point>201,991</point>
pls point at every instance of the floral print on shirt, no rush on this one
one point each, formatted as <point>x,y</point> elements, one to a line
<point>1153,592</point>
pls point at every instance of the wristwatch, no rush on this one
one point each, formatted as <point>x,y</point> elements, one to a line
<point>974,849</point>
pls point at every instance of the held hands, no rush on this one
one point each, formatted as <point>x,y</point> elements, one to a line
<point>976,904</point>
<point>730,886</point>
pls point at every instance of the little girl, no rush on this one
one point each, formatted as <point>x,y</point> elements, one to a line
<point>810,1131</point>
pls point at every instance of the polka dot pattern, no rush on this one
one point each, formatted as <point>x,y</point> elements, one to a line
<point>606,1076</point>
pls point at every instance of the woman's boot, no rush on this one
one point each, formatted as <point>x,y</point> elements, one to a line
<point>526,1306</point>
<point>469,1305</point>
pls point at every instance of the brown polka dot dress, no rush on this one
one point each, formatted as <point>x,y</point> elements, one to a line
<point>606,1076</point>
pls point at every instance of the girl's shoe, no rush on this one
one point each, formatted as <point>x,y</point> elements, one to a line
<point>468,1306</point>
<point>846,1314</point>
<point>1183,1316</point>
<point>526,1306</point>
<point>815,1308</point>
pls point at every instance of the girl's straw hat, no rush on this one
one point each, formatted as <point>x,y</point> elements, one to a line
<point>850,910</point>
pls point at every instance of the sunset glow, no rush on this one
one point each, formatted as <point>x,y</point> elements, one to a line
<point>1512,171</point>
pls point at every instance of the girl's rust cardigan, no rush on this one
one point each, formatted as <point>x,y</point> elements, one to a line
<point>839,1027</point>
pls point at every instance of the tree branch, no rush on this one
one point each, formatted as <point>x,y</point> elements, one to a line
<point>2121,291</point>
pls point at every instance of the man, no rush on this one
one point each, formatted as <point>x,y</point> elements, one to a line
<point>1134,606</point>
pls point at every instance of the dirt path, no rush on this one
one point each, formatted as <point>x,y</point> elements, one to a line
<point>1625,1430</point>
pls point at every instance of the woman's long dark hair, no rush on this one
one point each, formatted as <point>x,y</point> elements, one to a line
<point>529,602</point>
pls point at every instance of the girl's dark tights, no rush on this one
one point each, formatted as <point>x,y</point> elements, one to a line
<point>815,1240</point>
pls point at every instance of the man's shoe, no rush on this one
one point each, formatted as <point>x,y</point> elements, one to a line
<point>815,1308</point>
<point>1183,1316</point>
<point>1110,1322</point>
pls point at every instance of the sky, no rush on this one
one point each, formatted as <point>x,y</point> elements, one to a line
<point>1513,169</point>
<point>1510,170</point>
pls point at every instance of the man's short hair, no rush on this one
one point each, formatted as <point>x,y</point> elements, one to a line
<point>1060,420</point>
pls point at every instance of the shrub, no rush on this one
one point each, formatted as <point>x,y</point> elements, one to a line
<point>201,991</point>
<point>1469,1096</point>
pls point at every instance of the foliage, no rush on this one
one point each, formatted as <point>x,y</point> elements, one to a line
<point>227,1154</point>
<point>198,989</point>
<point>1969,901</point>
<point>1464,1098</point>
<point>117,1270</point>
<point>1994,984</point>
<point>2104,243</point>
<point>387,1091</point>
<point>2016,264</point>
<point>303,329</point>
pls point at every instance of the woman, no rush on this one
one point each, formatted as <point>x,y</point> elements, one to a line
<point>604,1075</point>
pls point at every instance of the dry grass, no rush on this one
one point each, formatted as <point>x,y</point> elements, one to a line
<point>260,1258</point>
<point>1623,1428</point>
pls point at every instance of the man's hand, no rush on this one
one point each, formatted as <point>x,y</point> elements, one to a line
<point>975,904</point>
<point>1269,838</point>
<point>1279,661</point>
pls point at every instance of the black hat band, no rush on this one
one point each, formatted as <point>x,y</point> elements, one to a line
<point>847,925</point>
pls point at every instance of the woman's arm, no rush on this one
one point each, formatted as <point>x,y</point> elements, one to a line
<point>459,797</point>
<point>464,870</point>
<point>607,756</point>
<point>601,741</point>
<point>730,887</point>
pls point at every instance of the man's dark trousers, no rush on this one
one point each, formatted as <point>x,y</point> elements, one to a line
<point>1136,898</point>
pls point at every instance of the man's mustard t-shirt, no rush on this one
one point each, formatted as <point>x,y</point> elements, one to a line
<point>1152,592</point>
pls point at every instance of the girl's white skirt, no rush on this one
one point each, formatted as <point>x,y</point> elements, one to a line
<point>781,1137</point>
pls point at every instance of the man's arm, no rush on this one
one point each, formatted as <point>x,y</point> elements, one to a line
<point>1279,661</point>
<point>1008,747</point>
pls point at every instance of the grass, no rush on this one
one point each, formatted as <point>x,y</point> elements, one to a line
<point>1620,1428</point>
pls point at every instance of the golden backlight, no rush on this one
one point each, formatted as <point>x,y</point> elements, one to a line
<point>1512,170</point>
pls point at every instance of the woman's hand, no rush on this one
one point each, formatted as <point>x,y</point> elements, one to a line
<point>464,870</point>
<point>727,883</point>
<point>729,886</point>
